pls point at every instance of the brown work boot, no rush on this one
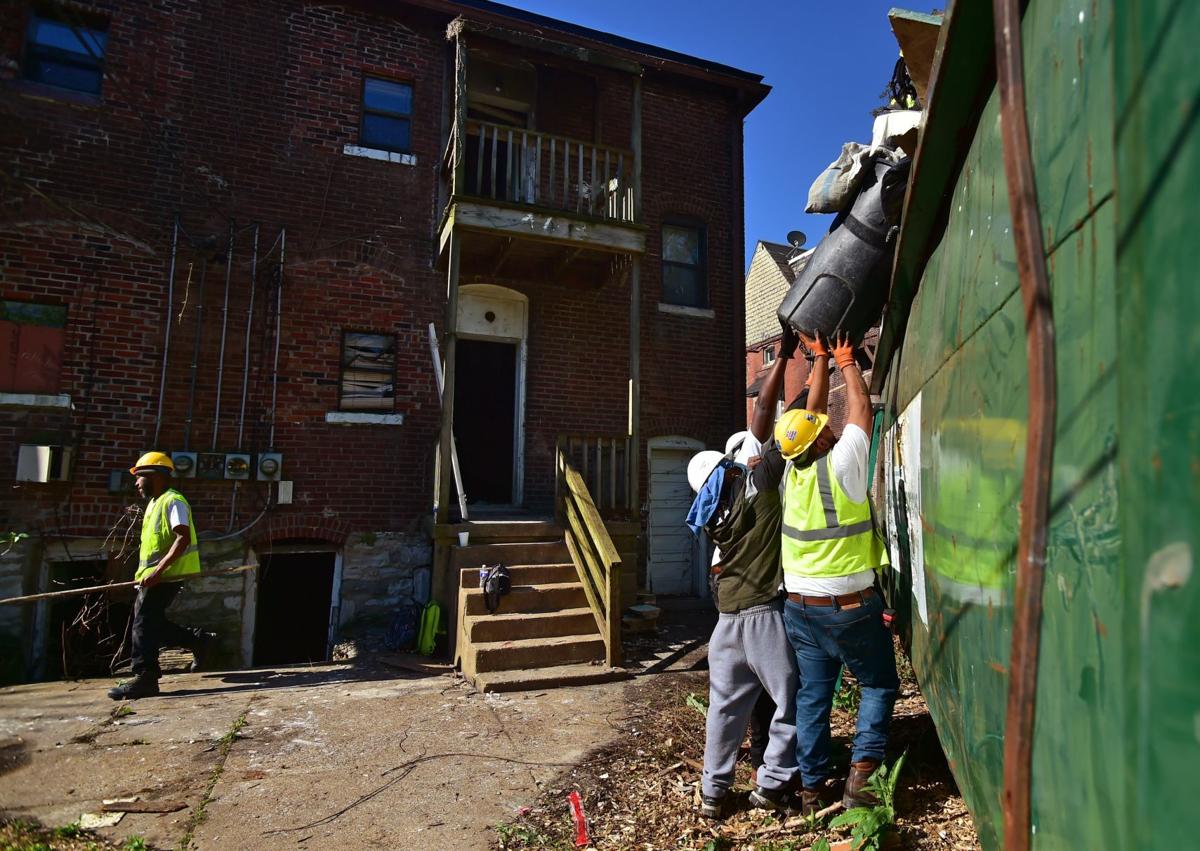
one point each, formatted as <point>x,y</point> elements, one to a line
<point>819,800</point>
<point>855,795</point>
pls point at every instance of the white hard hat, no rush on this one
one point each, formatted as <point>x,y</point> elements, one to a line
<point>701,467</point>
<point>735,440</point>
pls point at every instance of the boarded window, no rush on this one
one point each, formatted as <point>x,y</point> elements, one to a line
<point>31,347</point>
<point>684,281</point>
<point>386,115</point>
<point>65,52</point>
<point>368,372</point>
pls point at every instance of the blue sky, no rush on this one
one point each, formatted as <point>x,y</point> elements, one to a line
<point>826,61</point>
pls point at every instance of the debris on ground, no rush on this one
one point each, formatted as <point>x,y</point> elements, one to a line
<point>22,834</point>
<point>642,791</point>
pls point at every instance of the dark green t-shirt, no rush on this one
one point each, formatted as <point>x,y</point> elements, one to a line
<point>747,530</point>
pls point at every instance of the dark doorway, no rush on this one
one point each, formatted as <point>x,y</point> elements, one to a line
<point>295,591</point>
<point>485,396</point>
<point>84,634</point>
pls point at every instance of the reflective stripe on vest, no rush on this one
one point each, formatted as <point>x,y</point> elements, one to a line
<point>157,538</point>
<point>825,533</point>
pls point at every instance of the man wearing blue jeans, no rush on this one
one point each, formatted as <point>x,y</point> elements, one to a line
<point>830,551</point>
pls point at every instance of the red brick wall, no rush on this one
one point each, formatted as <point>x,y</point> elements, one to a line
<point>231,112</point>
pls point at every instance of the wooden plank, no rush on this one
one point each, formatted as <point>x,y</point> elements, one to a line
<point>479,162</point>
<point>495,145</point>
<point>636,133</point>
<point>553,165</point>
<point>566,175</point>
<point>547,226</point>
<point>592,184</point>
<point>917,35</point>
<point>458,185</point>
<point>591,517</point>
<point>635,382</point>
<point>537,171</point>
<point>612,476</point>
<point>579,193</point>
<point>509,156</point>
<point>592,598</point>
<point>446,431</point>
<point>594,570</point>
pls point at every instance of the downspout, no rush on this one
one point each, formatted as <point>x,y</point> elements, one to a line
<point>278,312</point>
<point>1039,438</point>
<point>187,426</point>
<point>162,381</point>
<point>224,329</point>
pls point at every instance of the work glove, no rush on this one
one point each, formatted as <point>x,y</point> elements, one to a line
<point>843,352</point>
<point>788,342</point>
<point>815,345</point>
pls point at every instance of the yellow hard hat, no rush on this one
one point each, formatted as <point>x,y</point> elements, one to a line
<point>796,430</point>
<point>152,461</point>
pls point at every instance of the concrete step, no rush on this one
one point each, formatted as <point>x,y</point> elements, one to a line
<point>525,552</point>
<point>508,627</point>
<point>543,678</point>
<point>545,597</point>
<point>532,653</point>
<point>524,574</point>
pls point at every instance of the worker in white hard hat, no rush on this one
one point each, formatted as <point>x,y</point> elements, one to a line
<point>168,553</point>
<point>738,506</point>
<point>830,552</point>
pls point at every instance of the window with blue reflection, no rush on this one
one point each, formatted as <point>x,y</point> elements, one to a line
<point>67,54</point>
<point>386,115</point>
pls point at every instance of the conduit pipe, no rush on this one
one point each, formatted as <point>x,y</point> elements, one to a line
<point>224,328</point>
<point>187,425</point>
<point>278,312</point>
<point>1039,439</point>
<point>162,380</point>
<point>246,347</point>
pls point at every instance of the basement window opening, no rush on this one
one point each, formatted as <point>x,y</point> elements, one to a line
<point>64,50</point>
<point>386,115</point>
<point>368,374</point>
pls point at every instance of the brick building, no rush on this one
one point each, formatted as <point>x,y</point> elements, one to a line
<point>225,231</point>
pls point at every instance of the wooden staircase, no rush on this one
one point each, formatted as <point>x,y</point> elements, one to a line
<point>543,634</point>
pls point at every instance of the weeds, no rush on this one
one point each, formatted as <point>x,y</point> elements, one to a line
<point>848,697</point>
<point>122,711</point>
<point>68,831</point>
<point>530,837</point>
<point>697,703</point>
<point>135,843</point>
<point>869,825</point>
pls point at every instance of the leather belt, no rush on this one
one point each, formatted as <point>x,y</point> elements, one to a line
<point>843,601</point>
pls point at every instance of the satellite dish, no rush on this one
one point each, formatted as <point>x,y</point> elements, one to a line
<point>796,239</point>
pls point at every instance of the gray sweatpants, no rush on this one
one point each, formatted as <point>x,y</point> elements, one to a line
<point>749,652</point>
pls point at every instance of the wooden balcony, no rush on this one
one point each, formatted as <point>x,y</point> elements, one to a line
<point>537,202</point>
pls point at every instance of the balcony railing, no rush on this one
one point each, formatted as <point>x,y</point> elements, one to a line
<point>602,463</point>
<point>518,166</point>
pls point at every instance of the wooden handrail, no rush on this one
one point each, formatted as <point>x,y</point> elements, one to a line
<point>595,556</point>
<point>602,461</point>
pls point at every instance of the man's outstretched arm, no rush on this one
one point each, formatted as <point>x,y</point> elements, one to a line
<point>764,406</point>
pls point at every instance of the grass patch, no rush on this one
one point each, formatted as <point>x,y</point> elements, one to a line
<point>223,745</point>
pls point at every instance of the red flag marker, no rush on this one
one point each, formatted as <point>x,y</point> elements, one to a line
<point>581,834</point>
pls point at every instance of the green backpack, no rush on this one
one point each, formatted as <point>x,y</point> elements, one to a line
<point>431,627</point>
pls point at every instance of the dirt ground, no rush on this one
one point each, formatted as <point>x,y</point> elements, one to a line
<point>640,790</point>
<point>364,754</point>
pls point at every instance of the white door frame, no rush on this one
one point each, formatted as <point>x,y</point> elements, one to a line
<point>699,546</point>
<point>509,325</point>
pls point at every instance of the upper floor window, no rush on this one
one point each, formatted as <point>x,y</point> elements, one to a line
<point>386,115</point>
<point>31,347</point>
<point>368,380</point>
<point>683,276</point>
<point>768,355</point>
<point>67,53</point>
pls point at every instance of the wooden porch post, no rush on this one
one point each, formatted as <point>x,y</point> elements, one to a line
<point>449,345</point>
<point>635,313</point>
<point>458,185</point>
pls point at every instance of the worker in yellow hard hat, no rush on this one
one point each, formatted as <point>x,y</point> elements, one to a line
<point>168,554</point>
<point>830,551</point>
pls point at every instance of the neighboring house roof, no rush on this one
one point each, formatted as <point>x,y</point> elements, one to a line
<point>767,282</point>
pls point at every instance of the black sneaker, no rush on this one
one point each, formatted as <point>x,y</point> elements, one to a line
<point>201,650</point>
<point>713,808</point>
<point>781,800</point>
<point>142,685</point>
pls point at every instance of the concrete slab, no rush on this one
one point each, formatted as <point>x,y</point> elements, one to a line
<point>344,756</point>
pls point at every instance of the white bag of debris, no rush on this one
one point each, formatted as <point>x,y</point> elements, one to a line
<point>837,186</point>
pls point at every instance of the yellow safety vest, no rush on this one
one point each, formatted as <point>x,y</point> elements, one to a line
<point>825,533</point>
<point>157,538</point>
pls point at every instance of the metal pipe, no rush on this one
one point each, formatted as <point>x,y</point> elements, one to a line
<point>1039,438</point>
<point>162,381</point>
<point>224,328</point>
<point>278,311</point>
<point>187,424</point>
<point>246,353</point>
